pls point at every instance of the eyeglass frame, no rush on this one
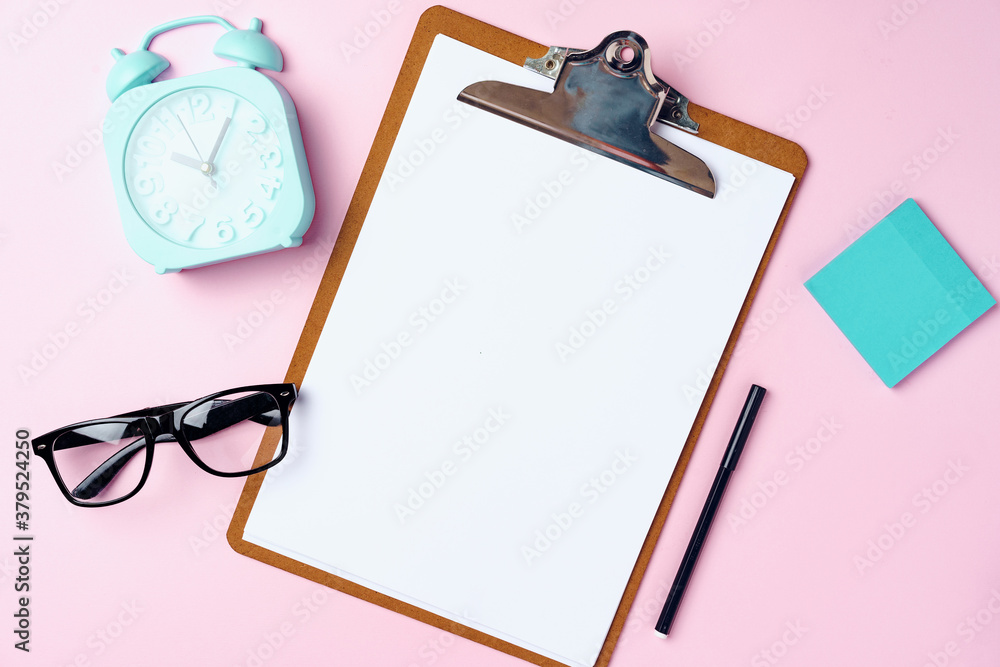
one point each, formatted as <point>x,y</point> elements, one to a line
<point>163,424</point>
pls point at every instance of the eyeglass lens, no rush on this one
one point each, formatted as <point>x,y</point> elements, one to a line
<point>101,462</point>
<point>225,431</point>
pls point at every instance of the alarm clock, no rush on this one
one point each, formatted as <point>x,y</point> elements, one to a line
<point>208,167</point>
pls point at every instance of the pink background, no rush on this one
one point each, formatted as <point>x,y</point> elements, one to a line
<point>152,581</point>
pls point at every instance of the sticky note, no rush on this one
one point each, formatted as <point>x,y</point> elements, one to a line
<point>899,293</point>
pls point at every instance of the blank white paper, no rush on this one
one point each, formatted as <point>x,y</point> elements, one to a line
<point>506,377</point>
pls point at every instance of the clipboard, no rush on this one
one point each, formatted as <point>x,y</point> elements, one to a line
<point>715,128</point>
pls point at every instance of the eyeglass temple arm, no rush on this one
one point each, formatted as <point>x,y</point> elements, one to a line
<point>225,413</point>
<point>96,481</point>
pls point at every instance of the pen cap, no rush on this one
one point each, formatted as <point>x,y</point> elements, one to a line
<point>743,426</point>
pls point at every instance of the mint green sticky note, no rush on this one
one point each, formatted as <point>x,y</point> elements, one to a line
<point>899,293</point>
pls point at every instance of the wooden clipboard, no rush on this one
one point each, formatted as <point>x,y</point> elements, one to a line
<point>715,128</point>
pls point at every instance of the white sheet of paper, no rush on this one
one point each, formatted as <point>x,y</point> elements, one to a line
<point>505,380</point>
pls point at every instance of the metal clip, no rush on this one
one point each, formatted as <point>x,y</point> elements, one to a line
<point>605,100</point>
<point>674,111</point>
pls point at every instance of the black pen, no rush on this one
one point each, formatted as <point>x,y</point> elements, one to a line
<point>729,460</point>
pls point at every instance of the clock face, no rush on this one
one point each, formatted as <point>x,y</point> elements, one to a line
<point>203,167</point>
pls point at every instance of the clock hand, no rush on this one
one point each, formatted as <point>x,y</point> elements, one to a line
<point>196,151</point>
<point>203,167</point>
<point>186,161</point>
<point>215,150</point>
<point>218,140</point>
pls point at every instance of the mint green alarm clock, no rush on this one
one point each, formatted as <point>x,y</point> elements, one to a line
<point>207,167</point>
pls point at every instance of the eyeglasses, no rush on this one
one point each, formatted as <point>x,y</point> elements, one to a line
<point>105,461</point>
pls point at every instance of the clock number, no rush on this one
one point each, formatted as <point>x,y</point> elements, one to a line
<point>169,121</point>
<point>160,128</point>
<point>151,146</point>
<point>253,215</point>
<point>165,213</point>
<point>269,186</point>
<point>146,162</point>
<point>192,220</point>
<point>258,126</point>
<point>199,108</point>
<point>224,230</point>
<point>147,186</point>
<point>272,159</point>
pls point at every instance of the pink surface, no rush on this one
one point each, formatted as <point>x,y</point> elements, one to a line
<point>861,527</point>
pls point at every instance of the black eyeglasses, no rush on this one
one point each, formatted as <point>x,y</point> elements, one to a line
<point>105,461</point>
